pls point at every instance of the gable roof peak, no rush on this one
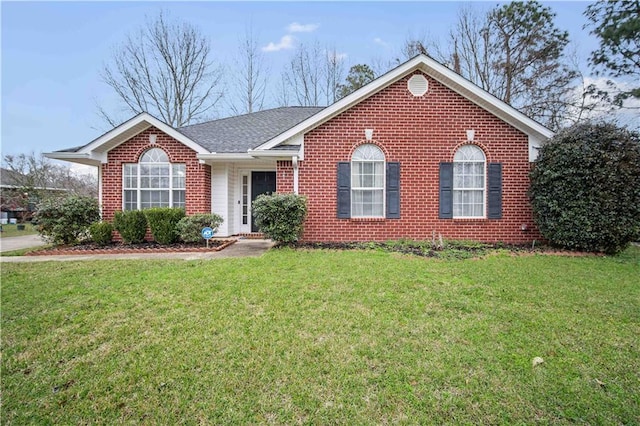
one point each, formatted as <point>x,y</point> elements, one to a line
<point>432,69</point>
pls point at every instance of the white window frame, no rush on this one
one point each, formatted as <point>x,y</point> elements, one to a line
<point>132,182</point>
<point>372,154</point>
<point>461,157</point>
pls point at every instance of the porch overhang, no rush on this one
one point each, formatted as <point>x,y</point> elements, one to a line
<point>230,157</point>
<point>86,158</point>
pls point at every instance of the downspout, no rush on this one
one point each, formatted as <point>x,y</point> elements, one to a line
<point>294,161</point>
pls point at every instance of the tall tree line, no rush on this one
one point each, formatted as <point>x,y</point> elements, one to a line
<point>514,51</point>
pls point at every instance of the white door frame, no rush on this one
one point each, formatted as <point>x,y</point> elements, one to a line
<point>239,196</point>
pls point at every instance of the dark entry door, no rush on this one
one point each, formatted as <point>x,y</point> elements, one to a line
<point>261,182</point>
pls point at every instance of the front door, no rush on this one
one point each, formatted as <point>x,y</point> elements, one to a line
<point>261,182</point>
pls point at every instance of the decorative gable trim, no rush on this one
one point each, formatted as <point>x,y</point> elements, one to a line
<point>434,70</point>
<point>95,152</point>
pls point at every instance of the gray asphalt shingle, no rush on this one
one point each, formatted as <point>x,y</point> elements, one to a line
<point>248,131</point>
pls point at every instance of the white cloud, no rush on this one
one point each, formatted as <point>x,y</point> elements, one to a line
<point>286,42</point>
<point>381,42</point>
<point>295,27</point>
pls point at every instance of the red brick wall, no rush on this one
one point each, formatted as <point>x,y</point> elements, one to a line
<point>418,132</point>
<point>198,179</point>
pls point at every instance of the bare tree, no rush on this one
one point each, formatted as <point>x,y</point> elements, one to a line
<point>250,76</point>
<point>164,69</point>
<point>516,53</point>
<point>312,77</point>
<point>333,75</point>
<point>303,75</point>
<point>28,179</point>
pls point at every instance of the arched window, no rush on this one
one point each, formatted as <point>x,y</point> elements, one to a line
<point>153,182</point>
<point>469,182</point>
<point>367,181</point>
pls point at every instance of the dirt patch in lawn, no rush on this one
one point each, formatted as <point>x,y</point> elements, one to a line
<point>120,248</point>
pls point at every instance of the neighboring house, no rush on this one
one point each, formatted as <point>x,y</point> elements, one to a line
<point>418,150</point>
<point>16,203</point>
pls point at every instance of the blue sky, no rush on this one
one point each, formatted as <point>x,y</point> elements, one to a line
<point>52,52</point>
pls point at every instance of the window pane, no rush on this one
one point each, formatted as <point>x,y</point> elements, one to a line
<point>178,198</point>
<point>154,198</point>
<point>468,182</point>
<point>367,152</point>
<point>468,203</point>
<point>367,174</point>
<point>154,155</point>
<point>367,203</point>
<point>179,174</point>
<point>130,200</point>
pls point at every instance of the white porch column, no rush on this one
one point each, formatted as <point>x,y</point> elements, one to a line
<point>294,161</point>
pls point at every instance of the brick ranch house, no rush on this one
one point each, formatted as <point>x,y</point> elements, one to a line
<point>420,149</point>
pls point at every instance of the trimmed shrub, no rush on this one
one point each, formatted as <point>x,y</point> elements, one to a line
<point>101,233</point>
<point>190,227</point>
<point>280,216</point>
<point>66,220</point>
<point>585,188</point>
<point>162,223</point>
<point>131,225</point>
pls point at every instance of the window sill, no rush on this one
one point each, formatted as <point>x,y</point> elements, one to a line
<point>469,219</point>
<point>367,219</point>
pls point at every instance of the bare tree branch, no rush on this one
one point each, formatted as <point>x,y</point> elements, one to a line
<point>164,69</point>
<point>250,76</point>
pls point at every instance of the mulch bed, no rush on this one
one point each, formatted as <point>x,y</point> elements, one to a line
<point>477,250</point>
<point>120,248</point>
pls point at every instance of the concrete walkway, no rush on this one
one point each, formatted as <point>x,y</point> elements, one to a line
<point>19,243</point>
<point>242,248</point>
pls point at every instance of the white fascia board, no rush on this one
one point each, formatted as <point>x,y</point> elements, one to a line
<point>435,70</point>
<point>273,155</point>
<point>135,121</point>
<point>90,159</point>
<point>224,157</point>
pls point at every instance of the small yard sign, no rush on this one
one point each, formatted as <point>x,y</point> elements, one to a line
<point>207,234</point>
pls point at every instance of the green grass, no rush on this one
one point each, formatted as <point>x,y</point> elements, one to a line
<point>11,230</point>
<point>323,337</point>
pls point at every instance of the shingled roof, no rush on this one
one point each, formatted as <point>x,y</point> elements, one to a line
<point>243,132</point>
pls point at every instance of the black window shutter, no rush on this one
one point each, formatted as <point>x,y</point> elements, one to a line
<point>393,191</point>
<point>494,200</point>
<point>445,210</point>
<point>344,190</point>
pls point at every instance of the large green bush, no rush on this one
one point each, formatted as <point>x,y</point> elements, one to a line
<point>131,225</point>
<point>280,216</point>
<point>66,220</point>
<point>585,188</point>
<point>101,233</point>
<point>190,227</point>
<point>162,223</point>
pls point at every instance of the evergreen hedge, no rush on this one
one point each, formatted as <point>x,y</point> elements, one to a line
<point>66,220</point>
<point>131,225</point>
<point>585,188</point>
<point>280,216</point>
<point>162,223</point>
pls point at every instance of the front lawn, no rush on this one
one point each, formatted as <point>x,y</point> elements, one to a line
<point>11,230</point>
<point>323,337</point>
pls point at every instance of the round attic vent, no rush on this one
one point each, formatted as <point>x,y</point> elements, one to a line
<point>418,85</point>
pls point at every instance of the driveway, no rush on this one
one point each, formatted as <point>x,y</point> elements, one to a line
<point>18,243</point>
